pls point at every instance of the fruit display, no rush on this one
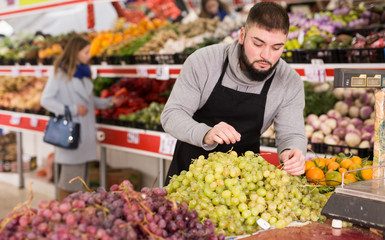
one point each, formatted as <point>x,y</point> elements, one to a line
<point>236,192</point>
<point>137,94</point>
<point>109,43</point>
<point>147,118</point>
<point>22,92</point>
<point>329,171</point>
<point>121,213</point>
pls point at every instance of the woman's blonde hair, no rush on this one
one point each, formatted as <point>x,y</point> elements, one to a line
<point>68,59</point>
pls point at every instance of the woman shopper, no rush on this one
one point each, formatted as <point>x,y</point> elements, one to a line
<point>214,8</point>
<point>227,95</point>
<point>71,85</point>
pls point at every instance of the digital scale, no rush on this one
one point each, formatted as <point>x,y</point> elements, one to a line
<point>363,202</point>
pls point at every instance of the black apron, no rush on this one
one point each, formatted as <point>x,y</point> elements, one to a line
<point>244,111</point>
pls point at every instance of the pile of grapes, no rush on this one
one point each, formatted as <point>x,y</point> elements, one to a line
<point>121,213</point>
<point>234,192</point>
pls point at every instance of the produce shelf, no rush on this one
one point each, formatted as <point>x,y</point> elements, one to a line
<point>338,55</point>
<point>171,71</point>
<point>335,149</point>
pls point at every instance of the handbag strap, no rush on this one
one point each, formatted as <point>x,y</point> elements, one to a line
<point>67,113</point>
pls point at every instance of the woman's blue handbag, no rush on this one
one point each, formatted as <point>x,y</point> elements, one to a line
<point>61,131</point>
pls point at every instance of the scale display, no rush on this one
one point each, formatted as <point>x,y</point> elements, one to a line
<point>359,78</point>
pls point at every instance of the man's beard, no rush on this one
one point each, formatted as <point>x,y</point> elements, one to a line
<point>253,73</point>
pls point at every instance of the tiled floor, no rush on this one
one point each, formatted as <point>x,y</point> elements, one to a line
<point>11,195</point>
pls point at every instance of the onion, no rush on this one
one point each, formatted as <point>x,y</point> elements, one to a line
<point>340,132</point>
<point>308,131</point>
<point>357,103</point>
<point>317,137</point>
<point>364,144</point>
<point>331,122</point>
<point>365,136</point>
<point>310,118</point>
<point>373,115</point>
<point>353,138</point>
<point>365,112</point>
<point>368,129</point>
<point>339,93</point>
<point>316,124</point>
<point>369,122</point>
<point>331,140</point>
<point>334,114</point>
<point>326,130</point>
<point>365,98</point>
<point>343,122</point>
<point>347,93</point>
<point>341,107</point>
<point>350,127</point>
<point>357,92</point>
<point>354,111</point>
<point>323,117</point>
<point>356,122</point>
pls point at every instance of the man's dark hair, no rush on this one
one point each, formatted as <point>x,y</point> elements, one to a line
<point>270,16</point>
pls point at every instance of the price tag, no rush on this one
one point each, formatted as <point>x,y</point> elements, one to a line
<point>15,71</point>
<point>263,224</point>
<point>38,72</point>
<point>15,119</point>
<point>133,137</point>
<point>163,72</point>
<point>94,72</point>
<point>33,122</point>
<point>315,72</point>
<point>142,71</point>
<point>167,144</point>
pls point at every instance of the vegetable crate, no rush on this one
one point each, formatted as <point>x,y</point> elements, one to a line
<point>361,55</point>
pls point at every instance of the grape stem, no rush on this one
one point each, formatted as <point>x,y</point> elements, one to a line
<point>15,214</point>
<point>84,183</point>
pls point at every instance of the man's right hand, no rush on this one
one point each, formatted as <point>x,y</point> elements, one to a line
<point>220,133</point>
<point>82,110</point>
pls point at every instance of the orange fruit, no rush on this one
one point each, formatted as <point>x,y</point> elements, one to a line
<point>354,167</point>
<point>342,170</point>
<point>351,177</point>
<point>365,174</point>
<point>316,175</point>
<point>320,163</point>
<point>309,165</point>
<point>333,166</point>
<point>356,160</point>
<point>346,163</point>
<point>329,160</point>
<point>333,178</point>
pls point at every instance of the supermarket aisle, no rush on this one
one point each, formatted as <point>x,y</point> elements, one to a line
<point>11,195</point>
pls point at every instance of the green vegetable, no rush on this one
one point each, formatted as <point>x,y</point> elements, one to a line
<point>317,103</point>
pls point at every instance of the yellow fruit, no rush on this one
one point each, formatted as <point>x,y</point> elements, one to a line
<point>333,178</point>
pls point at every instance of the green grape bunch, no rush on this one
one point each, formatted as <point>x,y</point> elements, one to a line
<point>234,192</point>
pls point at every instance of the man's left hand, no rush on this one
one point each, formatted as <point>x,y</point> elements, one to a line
<point>294,161</point>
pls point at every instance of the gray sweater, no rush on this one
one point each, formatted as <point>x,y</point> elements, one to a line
<point>198,76</point>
